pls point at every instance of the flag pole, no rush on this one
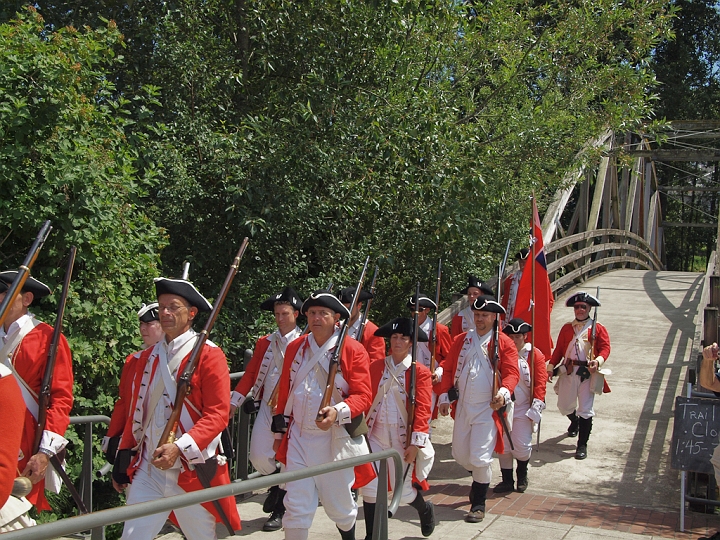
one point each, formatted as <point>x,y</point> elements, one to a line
<point>532,291</point>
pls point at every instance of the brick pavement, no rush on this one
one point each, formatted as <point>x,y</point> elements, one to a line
<point>566,511</point>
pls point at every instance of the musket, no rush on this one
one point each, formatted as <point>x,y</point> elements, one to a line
<point>593,333</point>
<point>496,352</point>
<point>335,360</point>
<point>433,340</point>
<point>183,383</point>
<point>272,401</point>
<point>45,387</point>
<point>24,271</point>
<point>412,390</point>
<point>366,311</point>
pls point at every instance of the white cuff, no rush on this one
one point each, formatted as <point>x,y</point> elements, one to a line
<point>343,413</point>
<point>419,439</point>
<point>534,413</point>
<point>443,399</point>
<point>504,392</point>
<point>600,360</point>
<point>439,373</point>
<point>278,436</point>
<point>51,443</point>
<point>190,449</point>
<point>236,398</point>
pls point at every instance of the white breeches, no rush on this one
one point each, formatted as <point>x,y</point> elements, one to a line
<point>574,395</point>
<point>149,484</point>
<point>262,455</point>
<point>308,447</point>
<point>383,437</point>
<point>521,434</point>
<point>473,442</point>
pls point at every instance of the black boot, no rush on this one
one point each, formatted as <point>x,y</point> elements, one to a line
<point>369,511</point>
<point>585,425</point>
<point>507,484</point>
<point>274,522</point>
<point>478,494</point>
<point>426,512</point>
<point>347,535</point>
<point>572,430</point>
<point>522,479</point>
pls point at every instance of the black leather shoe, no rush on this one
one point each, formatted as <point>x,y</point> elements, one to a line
<point>581,452</point>
<point>715,536</point>
<point>522,485</point>
<point>274,522</point>
<point>475,516</point>
<point>427,520</point>
<point>504,487</point>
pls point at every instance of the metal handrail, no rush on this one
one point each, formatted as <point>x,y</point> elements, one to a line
<point>48,531</point>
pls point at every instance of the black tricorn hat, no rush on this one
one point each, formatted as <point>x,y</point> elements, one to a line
<point>522,254</point>
<point>475,282</point>
<point>400,325</point>
<point>582,296</point>
<point>288,295</point>
<point>39,289</point>
<point>346,295</point>
<point>182,288</point>
<point>516,326</point>
<point>425,302</point>
<point>149,313</point>
<point>323,298</point>
<point>487,303</point>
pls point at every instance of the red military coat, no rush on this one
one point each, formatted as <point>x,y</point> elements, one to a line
<point>566,336</point>
<point>13,408</point>
<point>252,370</point>
<point>539,375</point>
<point>210,395</point>
<point>120,410</point>
<point>29,360</point>
<point>355,368</point>
<point>507,369</point>
<point>423,399</point>
<point>444,343</point>
<point>374,345</point>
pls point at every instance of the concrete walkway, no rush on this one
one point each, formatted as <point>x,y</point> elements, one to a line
<point>625,488</point>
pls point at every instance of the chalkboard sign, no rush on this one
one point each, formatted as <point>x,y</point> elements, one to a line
<point>695,434</point>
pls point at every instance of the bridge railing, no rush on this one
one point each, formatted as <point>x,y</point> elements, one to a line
<point>97,520</point>
<point>574,258</point>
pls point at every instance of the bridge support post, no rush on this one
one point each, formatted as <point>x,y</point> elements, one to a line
<point>710,330</point>
<point>715,291</point>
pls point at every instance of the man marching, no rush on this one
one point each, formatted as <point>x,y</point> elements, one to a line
<point>303,441</point>
<point>469,384</point>
<point>151,332</point>
<point>443,342</point>
<point>374,345</point>
<point>388,421</point>
<point>528,407</point>
<point>257,387</point>
<point>464,321</point>
<point>579,379</point>
<point>158,469</point>
<point>25,342</point>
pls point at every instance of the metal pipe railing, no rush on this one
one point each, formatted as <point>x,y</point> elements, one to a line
<point>48,531</point>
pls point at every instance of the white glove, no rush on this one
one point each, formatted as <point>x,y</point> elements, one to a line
<point>534,413</point>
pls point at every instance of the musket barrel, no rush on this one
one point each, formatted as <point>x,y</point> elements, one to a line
<point>24,271</point>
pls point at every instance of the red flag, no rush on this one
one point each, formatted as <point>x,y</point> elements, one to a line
<point>543,296</point>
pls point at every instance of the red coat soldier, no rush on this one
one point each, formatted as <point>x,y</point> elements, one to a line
<point>374,345</point>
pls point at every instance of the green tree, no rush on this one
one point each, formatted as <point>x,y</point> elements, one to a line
<point>71,153</point>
